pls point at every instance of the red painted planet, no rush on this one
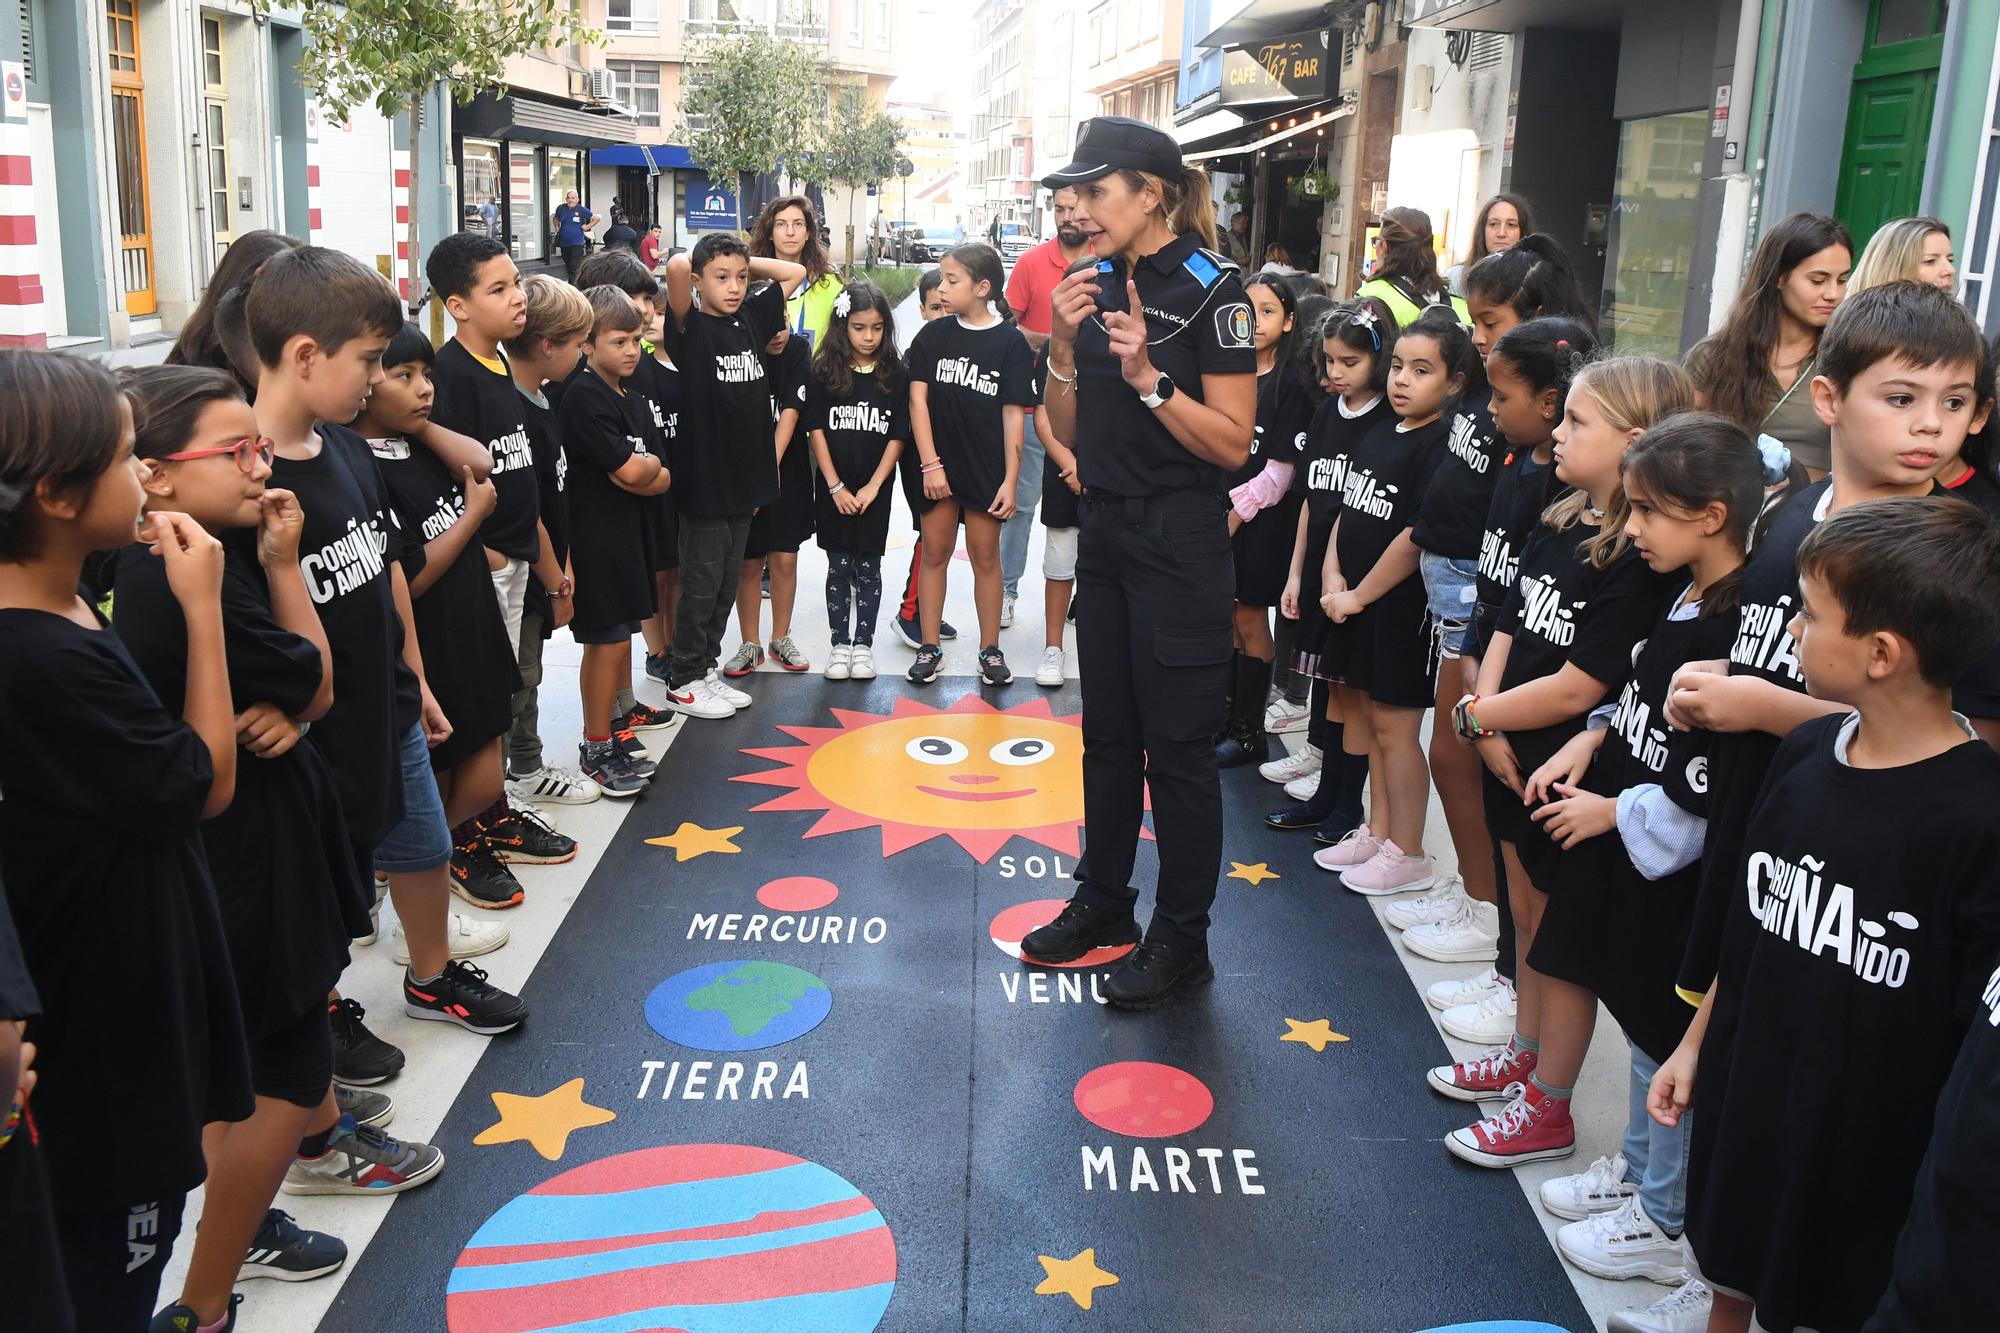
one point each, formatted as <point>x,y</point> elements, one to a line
<point>1012,926</point>
<point>1144,1100</point>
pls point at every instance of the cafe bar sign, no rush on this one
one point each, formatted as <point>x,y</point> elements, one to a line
<point>1284,69</point>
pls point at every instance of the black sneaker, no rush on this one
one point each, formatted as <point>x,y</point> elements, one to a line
<point>606,765</point>
<point>368,1107</point>
<point>993,666</point>
<point>634,750</point>
<point>659,667</point>
<point>288,1252</point>
<point>1076,931</point>
<point>178,1318</point>
<point>360,1058</point>
<point>643,717</point>
<point>945,632</point>
<point>1153,972</point>
<point>524,837</point>
<point>924,671</point>
<point>461,995</point>
<point>478,877</point>
<point>911,631</point>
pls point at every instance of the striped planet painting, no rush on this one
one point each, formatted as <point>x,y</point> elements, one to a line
<point>702,1237</point>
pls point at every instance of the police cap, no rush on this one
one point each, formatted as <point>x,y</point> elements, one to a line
<point>1115,143</point>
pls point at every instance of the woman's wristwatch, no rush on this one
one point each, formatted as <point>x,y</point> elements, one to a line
<point>1163,389</point>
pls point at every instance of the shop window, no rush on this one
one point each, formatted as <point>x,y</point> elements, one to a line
<point>636,83</point>
<point>528,205</point>
<point>479,186</point>
<point>1654,218</point>
<point>565,174</point>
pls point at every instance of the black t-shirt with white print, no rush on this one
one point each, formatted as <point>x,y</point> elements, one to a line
<point>1284,417</point>
<point>551,476</point>
<point>476,400</point>
<point>1387,474</point>
<point>969,375</point>
<point>788,372</point>
<point>723,463</point>
<point>602,430</point>
<point>1867,923</point>
<point>858,429</point>
<point>1321,473</point>
<point>1521,492</point>
<point>1453,520</point>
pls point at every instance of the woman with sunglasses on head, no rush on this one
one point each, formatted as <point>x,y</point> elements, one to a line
<point>1152,367</point>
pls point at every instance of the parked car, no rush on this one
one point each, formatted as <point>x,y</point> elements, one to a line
<point>1015,240</point>
<point>928,246</point>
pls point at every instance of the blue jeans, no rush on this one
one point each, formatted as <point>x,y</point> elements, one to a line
<point>1016,531</point>
<point>422,840</point>
<point>1655,1156</point>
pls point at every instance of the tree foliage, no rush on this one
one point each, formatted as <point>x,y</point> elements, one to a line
<point>747,104</point>
<point>860,142</point>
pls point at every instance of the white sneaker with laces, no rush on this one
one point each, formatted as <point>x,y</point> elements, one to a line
<point>1283,715</point>
<point>553,785</point>
<point>1305,788</point>
<point>695,700</point>
<point>863,665</point>
<point>1685,1311</point>
<point>726,692</point>
<point>1623,1243</point>
<point>1441,904</point>
<point>1470,936</point>
<point>1442,995</point>
<point>1488,1023</point>
<point>839,662</point>
<point>468,938</point>
<point>1052,672</point>
<point>1291,767</point>
<point>1007,609</point>
<point>1600,1187</point>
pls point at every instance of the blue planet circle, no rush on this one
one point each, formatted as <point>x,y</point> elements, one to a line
<point>740,1005</point>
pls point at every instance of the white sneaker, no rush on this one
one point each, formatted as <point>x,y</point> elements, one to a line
<point>1471,936</point>
<point>1442,904</point>
<point>694,699</point>
<point>1487,1023</point>
<point>1283,715</point>
<point>551,785</point>
<point>1007,609</point>
<point>374,914</point>
<point>1291,767</point>
<point>1622,1244</point>
<point>1442,995</point>
<point>468,938</point>
<point>1599,1188</point>
<point>863,667</point>
<point>839,662</point>
<point>726,692</point>
<point>1305,788</point>
<point>1685,1311</point>
<point>1051,673</point>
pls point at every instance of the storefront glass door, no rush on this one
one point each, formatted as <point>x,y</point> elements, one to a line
<point>1652,233</point>
<point>527,203</point>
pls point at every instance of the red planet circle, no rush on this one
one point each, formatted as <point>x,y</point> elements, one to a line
<point>797,893</point>
<point>1144,1100</point>
<point>1012,926</point>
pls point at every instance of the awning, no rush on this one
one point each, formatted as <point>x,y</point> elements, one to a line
<point>514,117</point>
<point>1305,126</point>
<point>1261,20</point>
<point>658,156</point>
<point>1514,15</point>
<point>1206,131</point>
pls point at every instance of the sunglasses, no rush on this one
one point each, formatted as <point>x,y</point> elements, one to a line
<point>246,452</point>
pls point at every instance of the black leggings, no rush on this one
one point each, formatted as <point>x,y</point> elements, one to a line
<point>858,577</point>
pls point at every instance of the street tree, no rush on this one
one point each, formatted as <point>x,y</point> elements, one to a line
<point>391,53</point>
<point>747,104</point>
<point>860,146</point>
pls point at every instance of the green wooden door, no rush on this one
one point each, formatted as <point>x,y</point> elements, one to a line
<point>1889,115</point>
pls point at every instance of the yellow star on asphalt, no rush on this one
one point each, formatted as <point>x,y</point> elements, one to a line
<point>1315,1034</point>
<point>1077,1278</point>
<point>546,1121</point>
<point>692,840</point>
<point>1251,874</point>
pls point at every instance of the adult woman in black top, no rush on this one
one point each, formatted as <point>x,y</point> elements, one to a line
<point>1151,369</point>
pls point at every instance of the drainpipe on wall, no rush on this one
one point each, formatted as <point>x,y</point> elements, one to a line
<point>1756,20</point>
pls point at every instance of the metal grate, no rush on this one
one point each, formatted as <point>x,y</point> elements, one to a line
<point>1489,49</point>
<point>28,39</point>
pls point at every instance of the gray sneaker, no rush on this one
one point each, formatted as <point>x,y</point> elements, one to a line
<point>787,655</point>
<point>749,657</point>
<point>363,1161</point>
<point>368,1107</point>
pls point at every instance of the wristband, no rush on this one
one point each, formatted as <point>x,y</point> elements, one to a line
<point>836,488</point>
<point>561,590</point>
<point>1463,722</point>
<point>932,467</point>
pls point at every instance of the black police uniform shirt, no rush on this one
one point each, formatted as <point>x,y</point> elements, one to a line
<point>659,386</point>
<point>1452,522</point>
<point>476,400</point>
<point>349,540</point>
<point>1869,922</point>
<point>969,375</point>
<point>110,895</point>
<point>468,662</point>
<point>551,475</point>
<point>1521,491</point>
<point>1198,323</point>
<point>602,431</point>
<point>725,466</point>
<point>858,428</point>
<point>1943,1276</point>
<point>286,880</point>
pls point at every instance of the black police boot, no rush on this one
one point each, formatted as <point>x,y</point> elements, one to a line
<point>1077,930</point>
<point>1230,701</point>
<point>1247,743</point>
<point>1153,972</point>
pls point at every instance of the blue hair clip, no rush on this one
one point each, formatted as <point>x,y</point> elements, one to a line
<point>1777,459</point>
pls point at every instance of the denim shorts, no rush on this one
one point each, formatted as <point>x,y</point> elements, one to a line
<point>423,840</point>
<point>1452,589</point>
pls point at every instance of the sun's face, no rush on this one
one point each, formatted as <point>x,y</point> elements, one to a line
<point>970,772</point>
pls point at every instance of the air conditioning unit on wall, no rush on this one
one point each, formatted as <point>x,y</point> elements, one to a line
<point>602,86</point>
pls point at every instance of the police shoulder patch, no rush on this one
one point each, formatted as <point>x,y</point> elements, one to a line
<point>1232,325</point>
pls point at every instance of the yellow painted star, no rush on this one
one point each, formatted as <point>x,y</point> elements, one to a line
<point>1252,874</point>
<point>1077,1278</point>
<point>692,840</point>
<point>1315,1034</point>
<point>546,1121</point>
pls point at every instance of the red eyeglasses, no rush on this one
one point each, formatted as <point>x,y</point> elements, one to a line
<point>247,452</point>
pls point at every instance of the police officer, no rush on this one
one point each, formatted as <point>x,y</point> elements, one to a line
<point>1152,371</point>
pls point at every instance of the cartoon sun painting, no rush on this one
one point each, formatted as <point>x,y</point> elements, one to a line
<point>973,773</point>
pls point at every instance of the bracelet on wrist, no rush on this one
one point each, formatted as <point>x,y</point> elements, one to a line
<point>932,467</point>
<point>1059,377</point>
<point>836,488</point>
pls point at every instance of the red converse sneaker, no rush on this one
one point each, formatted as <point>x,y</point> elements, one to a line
<point>1534,1128</point>
<point>1488,1076</point>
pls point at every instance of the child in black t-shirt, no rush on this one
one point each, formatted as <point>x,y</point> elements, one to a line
<point>1865,920</point>
<point>613,474</point>
<point>781,527</point>
<point>909,476</point>
<point>716,328</point>
<point>36,1292</point>
<point>138,906</point>
<point>858,422</point>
